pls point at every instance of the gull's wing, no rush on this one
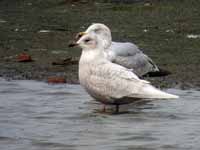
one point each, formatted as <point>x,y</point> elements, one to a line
<point>109,81</point>
<point>124,49</point>
<point>140,63</point>
<point>112,80</point>
<point>129,56</point>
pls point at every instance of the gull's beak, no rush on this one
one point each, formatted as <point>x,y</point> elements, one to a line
<point>72,44</point>
<point>79,35</point>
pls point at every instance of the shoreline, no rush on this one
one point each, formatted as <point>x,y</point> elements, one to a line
<point>43,31</point>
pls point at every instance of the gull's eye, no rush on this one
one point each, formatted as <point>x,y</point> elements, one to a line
<point>87,40</point>
<point>79,35</point>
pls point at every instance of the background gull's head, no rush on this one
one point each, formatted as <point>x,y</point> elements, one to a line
<point>103,33</point>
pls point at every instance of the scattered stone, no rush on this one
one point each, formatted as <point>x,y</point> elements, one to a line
<point>56,80</point>
<point>9,58</point>
<point>23,57</point>
<point>16,30</point>
<point>145,30</point>
<point>2,21</point>
<point>169,31</point>
<point>147,4</point>
<point>44,31</point>
<point>24,30</point>
<point>193,36</point>
<point>59,52</point>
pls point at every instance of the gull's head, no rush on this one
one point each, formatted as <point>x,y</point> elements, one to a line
<point>103,33</point>
<point>88,42</point>
<point>100,30</point>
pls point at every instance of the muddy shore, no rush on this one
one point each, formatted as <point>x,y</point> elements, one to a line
<point>165,30</point>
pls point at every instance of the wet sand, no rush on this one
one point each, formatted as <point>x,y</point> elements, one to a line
<point>43,30</point>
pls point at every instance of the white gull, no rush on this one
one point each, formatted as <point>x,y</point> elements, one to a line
<point>108,82</point>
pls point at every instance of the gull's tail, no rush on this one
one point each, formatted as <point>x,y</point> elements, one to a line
<point>151,92</point>
<point>159,73</point>
<point>155,71</point>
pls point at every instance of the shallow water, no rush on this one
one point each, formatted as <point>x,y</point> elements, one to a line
<point>38,116</point>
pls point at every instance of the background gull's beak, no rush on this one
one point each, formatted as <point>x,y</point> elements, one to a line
<point>72,44</point>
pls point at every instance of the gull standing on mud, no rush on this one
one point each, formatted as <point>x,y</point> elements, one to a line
<point>126,54</point>
<point>110,83</point>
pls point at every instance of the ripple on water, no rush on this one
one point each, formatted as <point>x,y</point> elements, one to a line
<point>35,115</point>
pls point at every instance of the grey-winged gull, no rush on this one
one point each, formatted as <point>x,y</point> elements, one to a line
<point>126,54</point>
<point>108,82</point>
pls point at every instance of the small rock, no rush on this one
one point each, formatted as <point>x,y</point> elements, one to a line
<point>16,30</point>
<point>147,4</point>
<point>193,36</point>
<point>59,52</point>
<point>2,21</point>
<point>169,30</point>
<point>24,30</point>
<point>145,30</point>
<point>56,80</point>
<point>23,57</point>
<point>44,31</point>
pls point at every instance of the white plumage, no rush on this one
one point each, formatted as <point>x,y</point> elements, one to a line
<point>108,82</point>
